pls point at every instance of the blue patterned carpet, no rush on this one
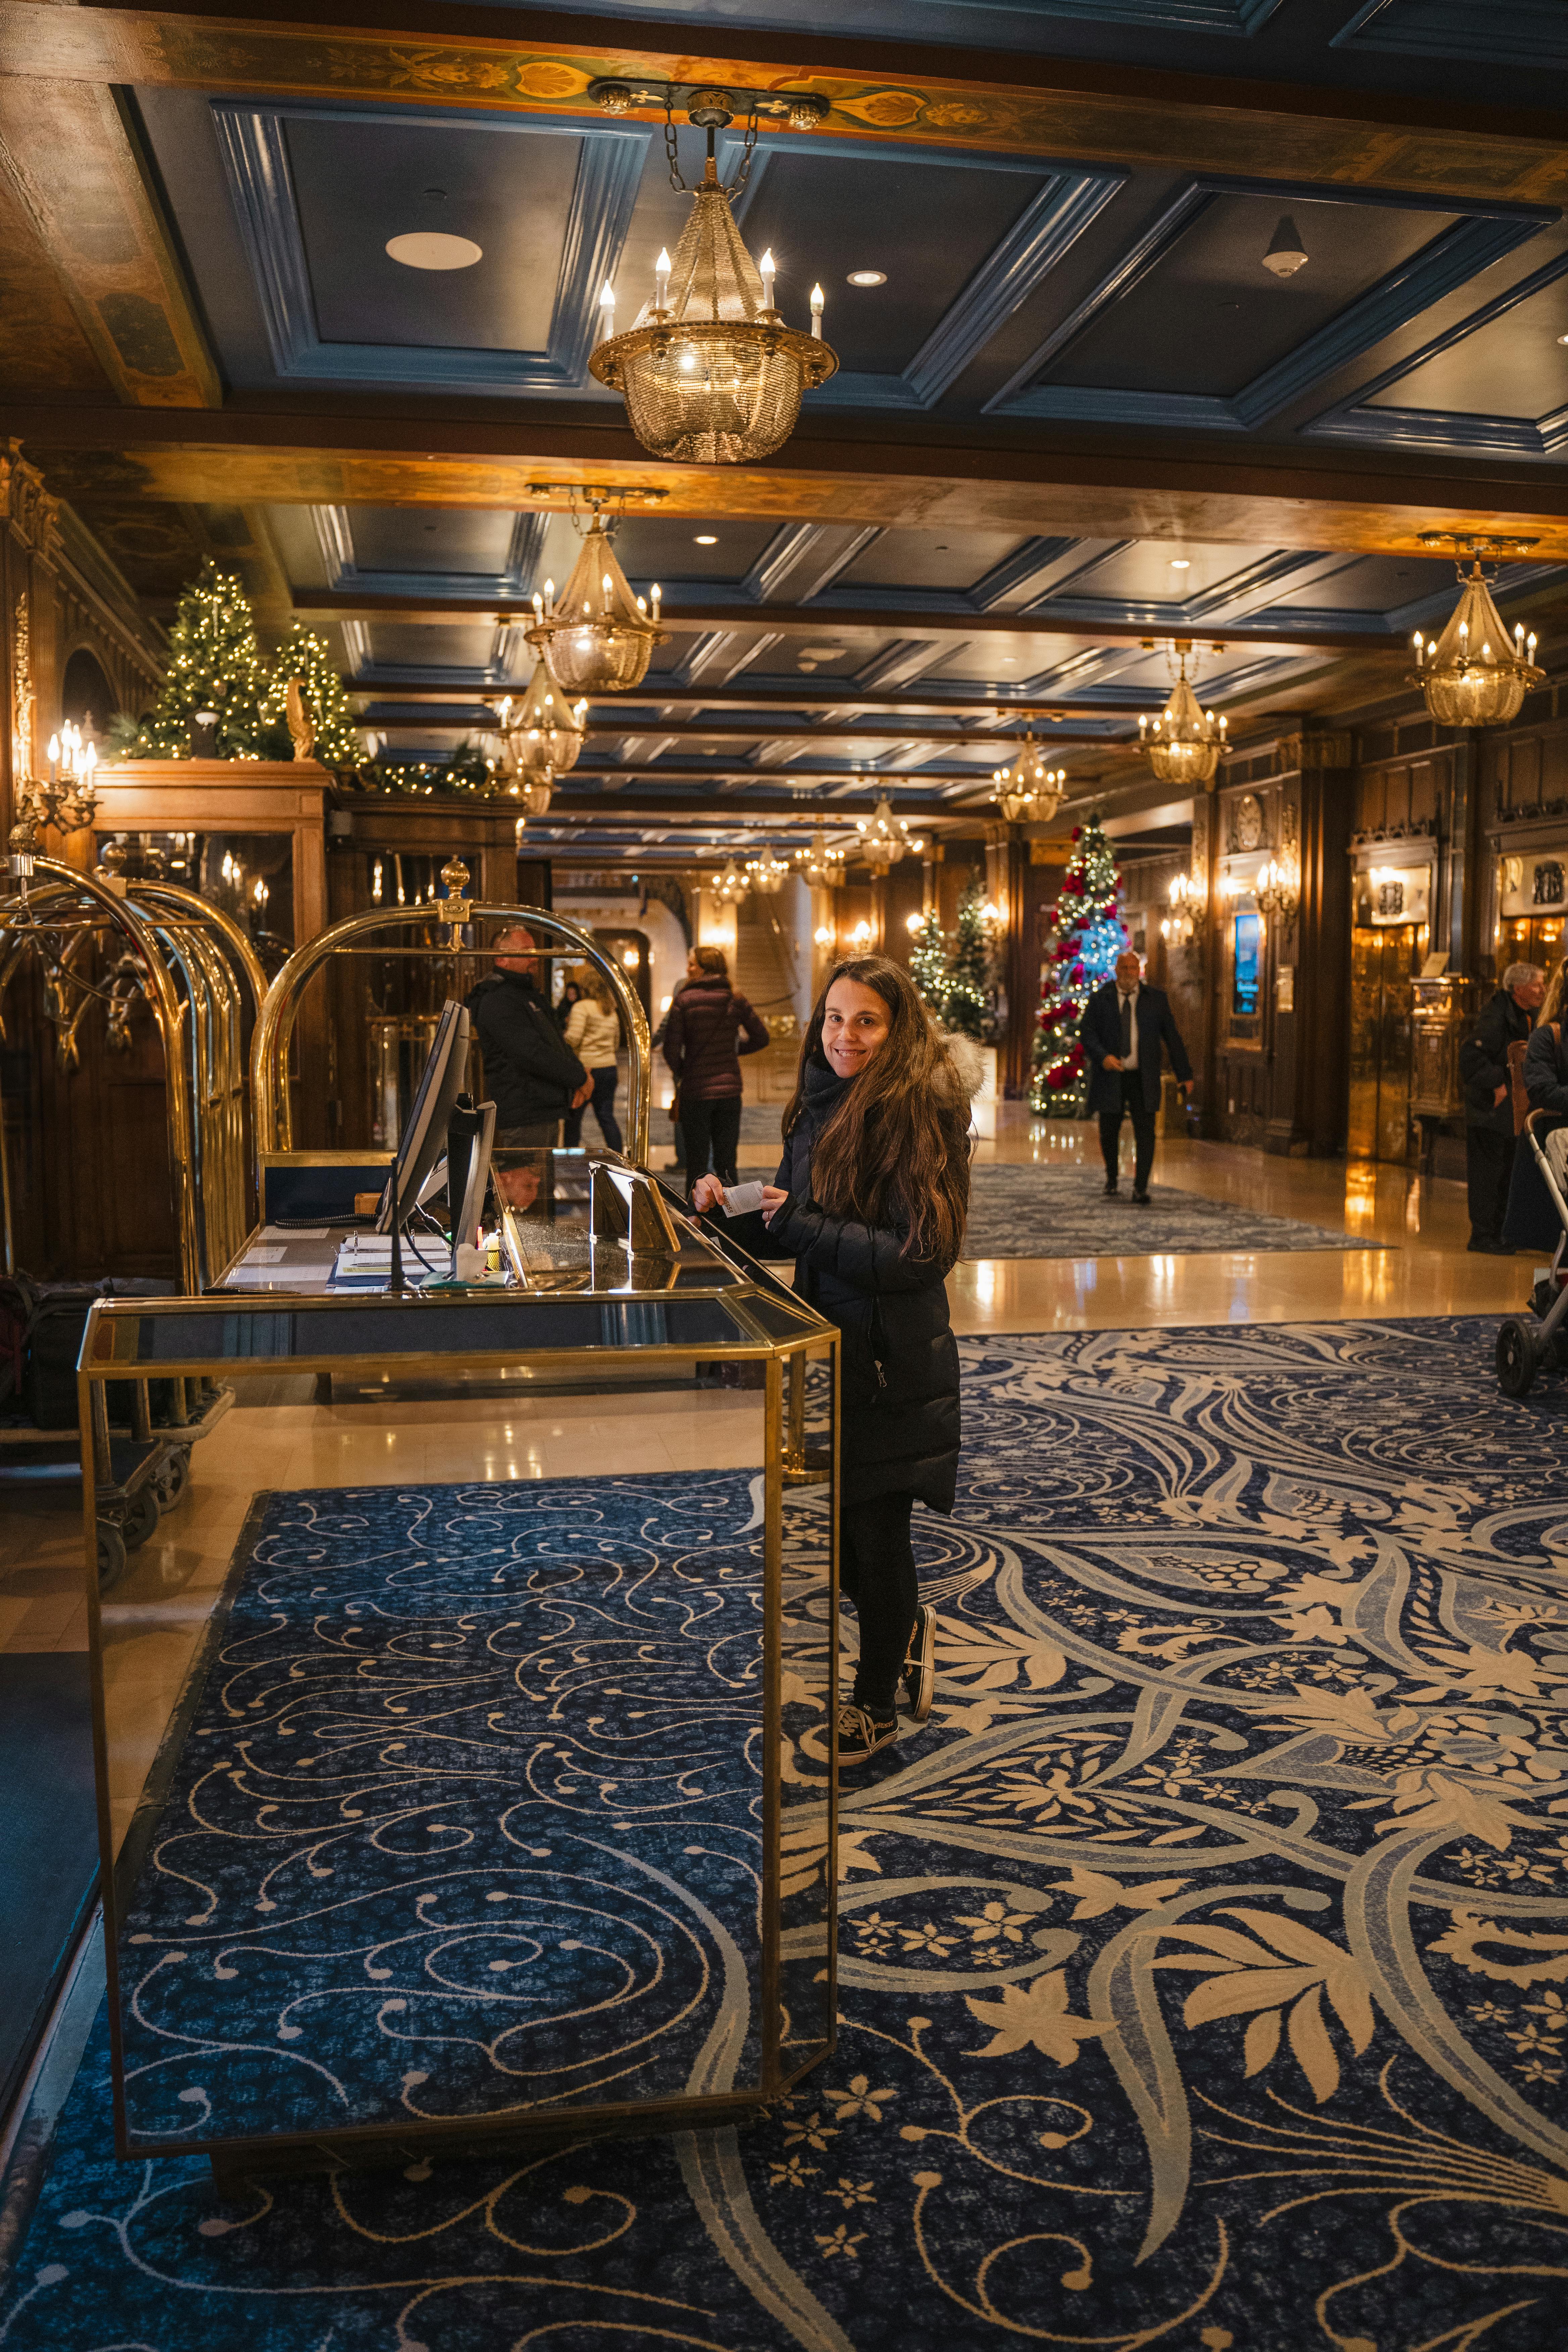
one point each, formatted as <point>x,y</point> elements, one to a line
<point>1205,1975</point>
<point>427,1847</point>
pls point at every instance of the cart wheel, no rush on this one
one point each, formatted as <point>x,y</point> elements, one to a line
<point>140,1518</point>
<point>173,1479</point>
<point>1518,1361</point>
<point>111,1555</point>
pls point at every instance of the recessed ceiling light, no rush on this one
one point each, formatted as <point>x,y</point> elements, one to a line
<point>426,248</point>
<point>868,277</point>
<point>707,538</point>
<point>1180,563</point>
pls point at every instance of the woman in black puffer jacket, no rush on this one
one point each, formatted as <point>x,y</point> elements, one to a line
<point>870,1201</point>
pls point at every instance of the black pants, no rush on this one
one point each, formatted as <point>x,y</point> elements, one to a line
<point>1132,1104</point>
<point>876,1572</point>
<point>710,1126</point>
<point>602,1103</point>
<point>1488,1164</point>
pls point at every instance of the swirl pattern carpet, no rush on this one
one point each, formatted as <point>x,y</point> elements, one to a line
<point>1205,1960</point>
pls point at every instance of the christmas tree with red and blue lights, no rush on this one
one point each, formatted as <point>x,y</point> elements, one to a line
<point>1089,935</point>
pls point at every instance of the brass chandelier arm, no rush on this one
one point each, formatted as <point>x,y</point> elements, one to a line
<point>159,989</point>
<point>271,1111</point>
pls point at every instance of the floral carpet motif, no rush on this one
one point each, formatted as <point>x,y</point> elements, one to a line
<point>1025,1212</point>
<point>1204,1970</point>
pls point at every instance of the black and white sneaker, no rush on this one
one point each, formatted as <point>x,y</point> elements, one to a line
<point>920,1666</point>
<point>861,1734</point>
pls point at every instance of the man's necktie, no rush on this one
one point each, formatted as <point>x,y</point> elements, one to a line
<point>1126,1026</point>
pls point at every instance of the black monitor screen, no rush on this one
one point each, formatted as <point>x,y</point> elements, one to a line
<point>424,1138</point>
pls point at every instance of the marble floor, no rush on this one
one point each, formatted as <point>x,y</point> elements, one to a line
<point>1413,1263</point>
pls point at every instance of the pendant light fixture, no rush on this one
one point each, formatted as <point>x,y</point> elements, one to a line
<point>731,885</point>
<point>598,638</point>
<point>823,862</point>
<point>884,838</point>
<point>710,374</point>
<point>766,874</point>
<point>541,734</point>
<point>1028,791</point>
<point>1474,675</point>
<point>1185,744</point>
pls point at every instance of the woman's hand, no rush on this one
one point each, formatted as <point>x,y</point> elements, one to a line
<point>773,1199</point>
<point>706,1194</point>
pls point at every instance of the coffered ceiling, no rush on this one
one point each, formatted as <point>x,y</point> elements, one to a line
<point>1075,413</point>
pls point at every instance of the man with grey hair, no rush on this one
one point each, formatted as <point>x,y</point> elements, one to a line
<point>529,1069</point>
<point>1489,1105</point>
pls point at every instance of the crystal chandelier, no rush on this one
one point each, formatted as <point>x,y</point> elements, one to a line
<point>1184,743</point>
<point>823,862</point>
<point>710,373</point>
<point>540,736</point>
<point>731,885</point>
<point>598,637</point>
<point>884,838</point>
<point>1028,791</point>
<point>766,875</point>
<point>1472,676</point>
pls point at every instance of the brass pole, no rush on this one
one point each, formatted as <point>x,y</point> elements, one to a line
<point>271,1112</point>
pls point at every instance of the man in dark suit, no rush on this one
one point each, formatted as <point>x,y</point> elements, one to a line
<point>1124,1027</point>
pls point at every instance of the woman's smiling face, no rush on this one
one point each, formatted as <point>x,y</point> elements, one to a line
<point>854,1027</point>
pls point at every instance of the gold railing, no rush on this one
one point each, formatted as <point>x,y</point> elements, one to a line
<point>271,1110</point>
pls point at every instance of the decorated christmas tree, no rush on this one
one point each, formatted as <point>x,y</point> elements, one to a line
<point>306,656</point>
<point>214,665</point>
<point>928,961</point>
<point>968,1007</point>
<point>1089,936</point>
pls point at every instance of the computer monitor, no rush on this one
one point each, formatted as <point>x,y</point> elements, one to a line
<point>424,1139</point>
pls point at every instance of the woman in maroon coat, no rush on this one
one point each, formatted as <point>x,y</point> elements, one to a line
<point>709,1027</point>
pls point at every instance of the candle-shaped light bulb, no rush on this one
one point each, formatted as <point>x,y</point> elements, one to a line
<point>657,593</point>
<point>818,299</point>
<point>54,756</point>
<point>1420,650</point>
<point>605,592</point>
<point>1142,726</point>
<point>642,603</point>
<point>537,605</point>
<point>606,311</point>
<point>661,281</point>
<point>1465,631</point>
<point>1518,635</point>
<point>769,272</point>
<point>1223,725</point>
<point>89,759</point>
<point>1529,645</point>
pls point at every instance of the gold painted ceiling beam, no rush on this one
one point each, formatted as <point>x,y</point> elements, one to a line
<point>834,620</point>
<point>407,722</point>
<point>1067,483</point>
<point>69,157</point>
<point>831,694</point>
<point>501,59</point>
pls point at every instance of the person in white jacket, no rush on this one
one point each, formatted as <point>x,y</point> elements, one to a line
<point>593,1033</point>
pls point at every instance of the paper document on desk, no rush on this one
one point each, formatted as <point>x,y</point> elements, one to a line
<point>741,1199</point>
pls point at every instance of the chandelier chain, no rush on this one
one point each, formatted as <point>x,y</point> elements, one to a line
<point>747,151</point>
<point>671,146</point>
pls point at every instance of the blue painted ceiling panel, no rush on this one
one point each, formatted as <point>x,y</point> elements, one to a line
<point>405,642</point>
<point>1147,573</point>
<point>411,539</point>
<point>929,559</point>
<point>655,547</point>
<point>926,226</point>
<point>1207,317</point>
<point>1515,366</point>
<point>359,183</point>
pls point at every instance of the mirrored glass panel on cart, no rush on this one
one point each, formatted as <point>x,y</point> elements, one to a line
<point>466,1753</point>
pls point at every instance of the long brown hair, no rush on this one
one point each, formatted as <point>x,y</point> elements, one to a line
<point>896,1140</point>
<point>1553,1008</point>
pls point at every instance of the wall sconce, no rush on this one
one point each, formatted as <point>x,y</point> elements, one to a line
<point>1182,922</point>
<point>1279,888</point>
<point>990,913</point>
<point>912,923</point>
<point>862,936</point>
<point>822,935</point>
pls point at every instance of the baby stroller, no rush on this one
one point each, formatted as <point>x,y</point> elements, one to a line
<point>1525,1347</point>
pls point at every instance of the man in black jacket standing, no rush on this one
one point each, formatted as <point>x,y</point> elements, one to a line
<point>1489,1105</point>
<point>532,1073</point>
<point>1124,1026</point>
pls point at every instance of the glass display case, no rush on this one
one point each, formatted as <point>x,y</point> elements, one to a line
<point>466,1763</point>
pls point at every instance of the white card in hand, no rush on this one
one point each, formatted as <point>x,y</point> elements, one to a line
<point>741,1199</point>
